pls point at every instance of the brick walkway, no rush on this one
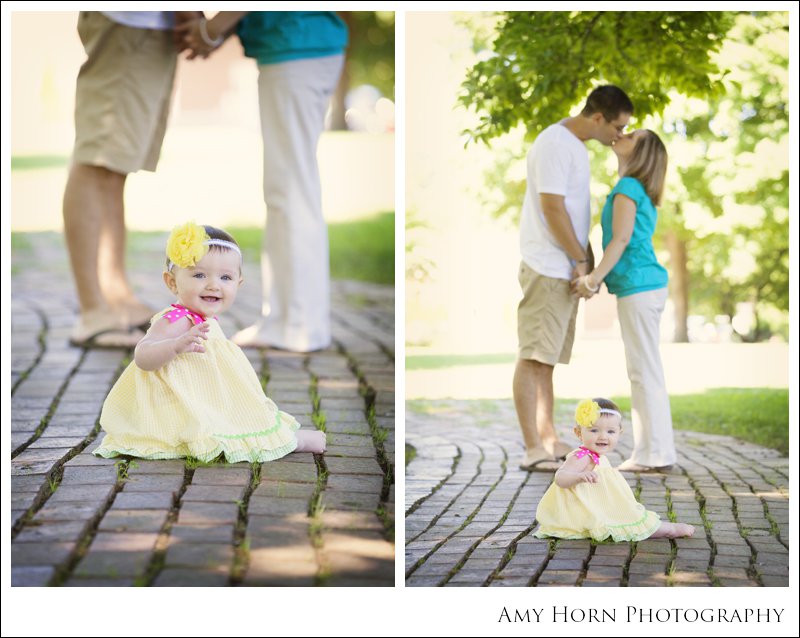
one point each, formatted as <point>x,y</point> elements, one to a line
<point>470,510</point>
<point>78,520</point>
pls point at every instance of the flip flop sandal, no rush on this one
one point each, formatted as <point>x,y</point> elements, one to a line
<point>129,340</point>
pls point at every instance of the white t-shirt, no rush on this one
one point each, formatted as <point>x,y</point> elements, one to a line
<point>161,20</point>
<point>558,163</point>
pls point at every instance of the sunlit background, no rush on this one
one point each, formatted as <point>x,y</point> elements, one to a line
<point>728,234</point>
<point>210,167</point>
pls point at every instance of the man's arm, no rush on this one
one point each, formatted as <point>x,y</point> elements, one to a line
<point>560,224</point>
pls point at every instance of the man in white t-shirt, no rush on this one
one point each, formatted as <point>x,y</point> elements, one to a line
<point>554,241</point>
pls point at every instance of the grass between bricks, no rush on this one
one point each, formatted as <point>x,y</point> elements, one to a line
<point>241,542</point>
<point>66,569</point>
<point>53,406</point>
<point>316,526</point>
<point>41,342</point>
<point>157,561</point>
<point>379,436</point>
<point>673,546</point>
<point>707,525</point>
<point>752,568</point>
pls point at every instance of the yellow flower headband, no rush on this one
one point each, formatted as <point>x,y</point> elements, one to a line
<point>588,411</point>
<point>189,243</point>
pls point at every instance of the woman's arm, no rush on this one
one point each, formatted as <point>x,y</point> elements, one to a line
<point>575,471</point>
<point>223,23</point>
<point>165,341</point>
<point>622,223</point>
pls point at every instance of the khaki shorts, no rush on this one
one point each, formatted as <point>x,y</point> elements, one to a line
<point>545,317</point>
<point>123,94</point>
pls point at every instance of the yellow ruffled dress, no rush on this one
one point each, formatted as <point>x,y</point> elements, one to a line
<point>595,510</point>
<point>199,405</point>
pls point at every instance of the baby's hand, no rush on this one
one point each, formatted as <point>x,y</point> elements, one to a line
<point>192,339</point>
<point>589,477</point>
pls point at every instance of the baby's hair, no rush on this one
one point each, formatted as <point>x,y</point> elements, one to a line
<point>218,233</point>
<point>608,404</point>
<point>215,233</point>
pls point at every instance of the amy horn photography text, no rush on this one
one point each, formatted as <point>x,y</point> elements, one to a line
<point>641,615</point>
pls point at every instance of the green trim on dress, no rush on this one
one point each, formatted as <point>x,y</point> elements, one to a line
<point>294,426</point>
<point>252,456</point>
<point>602,533</point>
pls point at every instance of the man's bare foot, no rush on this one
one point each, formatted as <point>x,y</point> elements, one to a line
<point>101,328</point>
<point>559,449</point>
<point>534,457</point>
<point>133,312</point>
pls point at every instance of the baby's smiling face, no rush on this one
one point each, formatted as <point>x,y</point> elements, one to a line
<point>603,435</point>
<point>210,286</point>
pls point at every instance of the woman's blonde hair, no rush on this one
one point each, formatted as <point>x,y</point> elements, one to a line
<point>648,164</point>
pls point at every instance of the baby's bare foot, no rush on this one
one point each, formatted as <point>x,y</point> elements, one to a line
<point>312,441</point>
<point>681,530</point>
<point>673,530</point>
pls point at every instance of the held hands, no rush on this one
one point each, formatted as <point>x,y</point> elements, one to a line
<point>196,36</point>
<point>584,286</point>
<point>580,269</point>
<point>192,340</point>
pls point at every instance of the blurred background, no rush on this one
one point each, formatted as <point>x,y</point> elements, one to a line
<point>714,86</point>
<point>210,168</point>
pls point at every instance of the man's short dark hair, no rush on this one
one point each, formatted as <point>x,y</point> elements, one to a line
<point>609,100</point>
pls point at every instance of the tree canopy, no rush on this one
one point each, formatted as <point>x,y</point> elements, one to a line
<point>546,62</point>
<point>371,50</point>
<point>713,85</point>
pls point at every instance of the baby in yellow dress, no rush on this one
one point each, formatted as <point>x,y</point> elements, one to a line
<point>190,391</point>
<point>589,498</point>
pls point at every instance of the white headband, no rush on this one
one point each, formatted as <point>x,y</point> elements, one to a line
<point>610,411</point>
<point>216,242</point>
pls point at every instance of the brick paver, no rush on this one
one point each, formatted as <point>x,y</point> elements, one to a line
<point>470,511</point>
<point>302,520</point>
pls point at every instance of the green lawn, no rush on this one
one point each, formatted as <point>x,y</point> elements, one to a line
<point>758,415</point>
<point>438,361</point>
<point>362,249</point>
<point>34,162</point>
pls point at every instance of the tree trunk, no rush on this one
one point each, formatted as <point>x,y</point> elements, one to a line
<point>679,290</point>
<point>337,121</point>
<point>338,109</point>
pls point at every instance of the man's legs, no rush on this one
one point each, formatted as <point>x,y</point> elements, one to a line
<point>92,193</point>
<point>533,398</point>
<point>546,330</point>
<point>121,104</point>
<point>114,282</point>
